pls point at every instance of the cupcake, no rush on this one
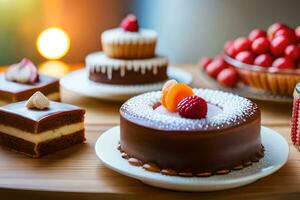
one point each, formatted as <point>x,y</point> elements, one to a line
<point>129,41</point>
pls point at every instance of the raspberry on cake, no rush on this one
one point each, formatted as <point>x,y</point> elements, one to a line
<point>129,41</point>
<point>21,80</point>
<point>39,126</point>
<point>224,136</point>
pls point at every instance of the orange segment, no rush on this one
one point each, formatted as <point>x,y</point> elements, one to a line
<point>165,90</point>
<point>175,94</point>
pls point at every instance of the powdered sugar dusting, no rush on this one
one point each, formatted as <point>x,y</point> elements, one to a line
<point>235,110</point>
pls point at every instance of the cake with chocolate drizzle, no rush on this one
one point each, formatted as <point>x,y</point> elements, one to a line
<point>21,80</point>
<point>128,56</point>
<point>38,126</point>
<point>190,132</point>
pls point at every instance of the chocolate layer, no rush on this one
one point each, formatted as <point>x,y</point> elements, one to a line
<point>131,77</point>
<point>43,148</point>
<point>36,121</point>
<point>13,91</point>
<point>192,151</point>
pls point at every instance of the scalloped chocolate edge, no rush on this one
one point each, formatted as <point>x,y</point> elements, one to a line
<point>152,167</point>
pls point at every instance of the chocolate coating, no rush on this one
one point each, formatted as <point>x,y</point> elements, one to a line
<point>213,149</point>
<point>12,91</point>
<point>131,77</point>
<point>33,120</point>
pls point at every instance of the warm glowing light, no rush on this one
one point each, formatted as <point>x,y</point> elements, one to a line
<point>53,43</point>
<point>54,68</point>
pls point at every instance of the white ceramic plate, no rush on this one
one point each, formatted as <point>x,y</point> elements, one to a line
<point>78,82</point>
<point>276,155</point>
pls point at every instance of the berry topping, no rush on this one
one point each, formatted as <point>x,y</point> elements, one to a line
<point>130,23</point>
<point>204,62</point>
<point>245,57</point>
<point>263,60</point>
<point>192,107</point>
<point>260,45</point>
<point>228,77</point>
<point>242,44</point>
<point>23,72</point>
<point>38,101</point>
<point>256,33</point>
<point>283,63</point>
<point>215,67</point>
<point>175,93</point>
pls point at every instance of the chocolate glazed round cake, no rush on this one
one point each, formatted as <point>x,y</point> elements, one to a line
<point>103,69</point>
<point>227,139</point>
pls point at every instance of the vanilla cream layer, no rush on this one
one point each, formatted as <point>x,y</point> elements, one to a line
<point>55,96</point>
<point>43,136</point>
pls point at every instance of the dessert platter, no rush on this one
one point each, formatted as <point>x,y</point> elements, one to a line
<point>265,64</point>
<point>191,139</point>
<point>127,66</point>
<point>22,80</point>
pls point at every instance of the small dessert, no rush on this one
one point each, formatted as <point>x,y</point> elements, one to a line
<point>38,126</point>
<point>295,131</point>
<point>103,69</point>
<point>190,132</point>
<point>21,80</point>
<point>129,41</point>
<point>128,57</point>
<point>265,60</point>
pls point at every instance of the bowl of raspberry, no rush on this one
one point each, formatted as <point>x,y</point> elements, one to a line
<point>265,60</point>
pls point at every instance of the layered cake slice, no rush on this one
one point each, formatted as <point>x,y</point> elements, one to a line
<point>190,132</point>
<point>38,126</point>
<point>22,80</point>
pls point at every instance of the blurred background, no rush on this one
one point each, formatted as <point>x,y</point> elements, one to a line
<point>188,29</point>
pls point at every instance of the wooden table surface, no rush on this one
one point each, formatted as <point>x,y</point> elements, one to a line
<point>76,173</point>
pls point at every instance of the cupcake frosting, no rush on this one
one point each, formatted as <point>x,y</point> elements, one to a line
<point>118,35</point>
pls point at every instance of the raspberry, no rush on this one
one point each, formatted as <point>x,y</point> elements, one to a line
<point>130,23</point>
<point>256,33</point>
<point>228,77</point>
<point>192,107</point>
<point>204,62</point>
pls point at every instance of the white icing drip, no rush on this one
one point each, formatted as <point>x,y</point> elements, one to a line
<point>100,63</point>
<point>109,73</point>
<point>155,70</point>
<point>235,110</point>
<point>124,37</point>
